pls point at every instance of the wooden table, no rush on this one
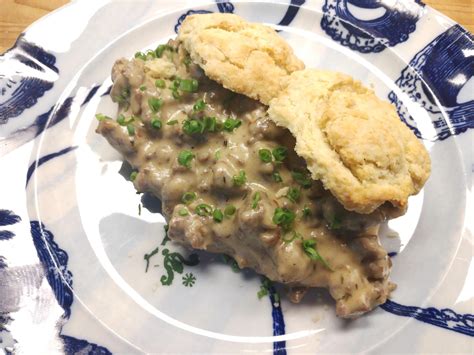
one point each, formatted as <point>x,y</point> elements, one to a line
<point>16,15</point>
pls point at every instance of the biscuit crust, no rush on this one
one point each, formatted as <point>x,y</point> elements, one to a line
<point>247,58</point>
<point>351,140</point>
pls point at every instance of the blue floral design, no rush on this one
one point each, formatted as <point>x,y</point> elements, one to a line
<point>444,318</point>
<point>370,36</point>
<point>434,78</point>
<point>22,90</point>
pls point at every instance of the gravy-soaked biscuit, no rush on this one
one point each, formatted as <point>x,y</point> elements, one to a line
<point>352,141</point>
<point>247,58</point>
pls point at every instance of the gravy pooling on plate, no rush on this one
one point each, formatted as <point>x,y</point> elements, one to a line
<point>230,182</point>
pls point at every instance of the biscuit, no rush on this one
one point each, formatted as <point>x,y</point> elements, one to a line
<point>351,140</point>
<point>246,58</point>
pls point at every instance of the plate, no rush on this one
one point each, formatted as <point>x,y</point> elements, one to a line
<point>85,265</point>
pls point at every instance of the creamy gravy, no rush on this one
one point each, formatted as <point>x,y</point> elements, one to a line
<point>229,169</point>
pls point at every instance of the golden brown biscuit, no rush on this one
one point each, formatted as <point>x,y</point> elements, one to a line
<point>352,141</point>
<point>247,58</point>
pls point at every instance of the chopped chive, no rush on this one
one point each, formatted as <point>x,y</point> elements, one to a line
<point>200,105</point>
<point>101,117</point>
<point>309,247</point>
<point>160,83</point>
<point>175,94</point>
<point>183,212</point>
<point>302,178</point>
<point>229,210</point>
<point>155,104</point>
<point>265,155</point>
<point>124,122</point>
<point>133,175</point>
<point>256,199</point>
<point>161,48</point>
<point>217,215</point>
<point>150,54</point>
<point>192,126</point>
<point>121,120</point>
<point>142,87</point>
<point>210,124</point>
<point>175,83</point>
<point>203,209</point>
<point>172,122</point>
<point>279,153</point>
<point>156,123</point>
<point>188,197</point>
<point>277,177</point>
<point>189,85</point>
<point>239,179</point>
<point>140,55</point>
<point>283,217</point>
<point>185,157</point>
<point>131,129</point>
<point>230,124</point>
<point>293,194</point>
<point>217,155</point>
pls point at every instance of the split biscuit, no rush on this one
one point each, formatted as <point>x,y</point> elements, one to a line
<point>352,141</point>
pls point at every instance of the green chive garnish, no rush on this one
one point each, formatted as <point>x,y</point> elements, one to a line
<point>185,157</point>
<point>160,83</point>
<point>203,209</point>
<point>230,124</point>
<point>265,155</point>
<point>192,126</point>
<point>199,105</point>
<point>154,104</point>
<point>255,200</point>
<point>140,55</point>
<point>277,177</point>
<point>293,194</point>
<point>279,153</point>
<point>239,179</point>
<point>217,215</point>
<point>188,197</point>
<point>302,178</point>
<point>101,117</point>
<point>309,247</point>
<point>210,124</point>
<point>189,85</point>
<point>183,212</point>
<point>133,175</point>
<point>283,217</point>
<point>131,129</point>
<point>229,210</point>
<point>156,123</point>
<point>161,48</point>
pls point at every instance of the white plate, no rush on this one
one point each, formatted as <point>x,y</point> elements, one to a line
<point>72,244</point>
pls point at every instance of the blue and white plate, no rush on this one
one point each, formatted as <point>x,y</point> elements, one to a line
<point>82,271</point>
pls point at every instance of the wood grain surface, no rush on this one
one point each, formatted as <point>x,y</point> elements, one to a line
<point>16,15</point>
